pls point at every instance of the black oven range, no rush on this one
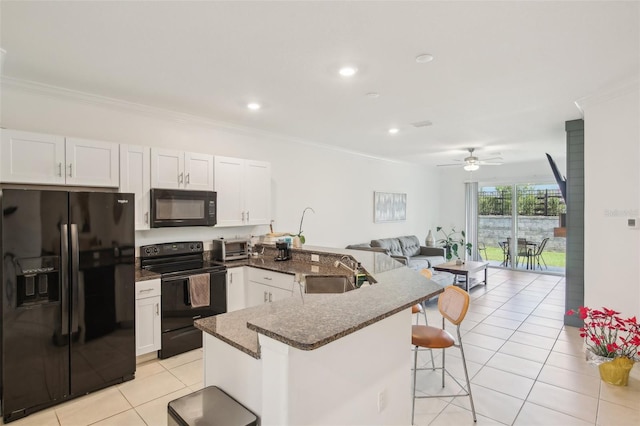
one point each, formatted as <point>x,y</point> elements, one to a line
<point>185,294</point>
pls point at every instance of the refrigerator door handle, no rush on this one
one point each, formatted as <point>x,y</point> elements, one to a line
<point>64,273</point>
<point>75,264</point>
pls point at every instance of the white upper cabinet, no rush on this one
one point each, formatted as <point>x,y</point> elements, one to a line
<point>181,170</point>
<point>229,185</point>
<point>258,192</point>
<point>244,191</point>
<point>32,158</point>
<point>92,163</point>
<point>53,160</point>
<point>135,177</point>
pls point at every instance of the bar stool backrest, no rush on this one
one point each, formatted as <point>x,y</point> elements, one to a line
<point>453,304</point>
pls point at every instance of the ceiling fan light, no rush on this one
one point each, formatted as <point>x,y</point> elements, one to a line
<point>471,167</point>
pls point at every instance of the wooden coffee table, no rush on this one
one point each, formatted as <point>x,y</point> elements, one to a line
<point>469,267</point>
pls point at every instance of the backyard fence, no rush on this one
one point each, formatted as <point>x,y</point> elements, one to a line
<point>531,202</point>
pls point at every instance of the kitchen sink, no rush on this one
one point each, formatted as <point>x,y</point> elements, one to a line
<point>327,284</point>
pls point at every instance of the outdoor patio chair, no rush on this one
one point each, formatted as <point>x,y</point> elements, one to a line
<point>482,248</point>
<point>537,256</point>
<point>506,252</point>
<point>523,251</point>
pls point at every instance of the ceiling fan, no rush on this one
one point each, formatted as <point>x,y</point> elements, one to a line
<point>472,162</point>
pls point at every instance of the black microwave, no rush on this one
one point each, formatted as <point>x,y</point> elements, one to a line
<point>174,207</point>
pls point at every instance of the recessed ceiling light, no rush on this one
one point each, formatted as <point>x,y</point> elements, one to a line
<point>393,130</point>
<point>347,71</point>
<point>424,58</point>
<point>373,95</point>
<point>254,106</point>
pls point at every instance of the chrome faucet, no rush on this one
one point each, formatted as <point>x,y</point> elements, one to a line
<point>353,269</point>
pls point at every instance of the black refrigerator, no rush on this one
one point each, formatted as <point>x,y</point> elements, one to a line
<point>68,302</point>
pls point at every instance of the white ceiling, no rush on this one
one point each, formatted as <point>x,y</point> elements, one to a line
<point>505,75</point>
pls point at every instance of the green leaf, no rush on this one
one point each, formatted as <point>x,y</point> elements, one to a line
<point>302,239</point>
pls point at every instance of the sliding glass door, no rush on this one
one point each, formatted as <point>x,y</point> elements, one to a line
<point>519,227</point>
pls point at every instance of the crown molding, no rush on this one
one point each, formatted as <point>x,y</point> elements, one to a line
<point>609,93</point>
<point>169,115</point>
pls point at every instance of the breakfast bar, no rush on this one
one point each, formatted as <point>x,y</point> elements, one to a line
<point>322,358</point>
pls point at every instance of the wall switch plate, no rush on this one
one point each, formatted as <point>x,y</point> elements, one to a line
<point>315,258</point>
<point>382,400</point>
<point>633,222</point>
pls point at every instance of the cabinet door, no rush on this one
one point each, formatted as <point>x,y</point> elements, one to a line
<point>198,171</point>
<point>167,169</point>
<point>257,192</point>
<point>92,163</point>
<point>279,294</point>
<point>135,177</point>
<point>229,184</point>
<point>32,157</point>
<point>148,334</point>
<point>235,289</point>
<point>256,294</point>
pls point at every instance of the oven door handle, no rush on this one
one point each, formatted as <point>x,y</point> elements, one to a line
<point>180,278</point>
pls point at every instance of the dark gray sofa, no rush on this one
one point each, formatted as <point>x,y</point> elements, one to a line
<point>407,249</point>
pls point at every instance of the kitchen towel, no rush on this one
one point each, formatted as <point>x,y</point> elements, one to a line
<point>199,290</point>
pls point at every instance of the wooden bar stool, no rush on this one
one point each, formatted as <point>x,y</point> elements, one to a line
<point>452,304</point>
<point>419,309</point>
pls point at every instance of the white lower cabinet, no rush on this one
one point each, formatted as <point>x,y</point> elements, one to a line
<point>235,289</point>
<point>148,333</point>
<point>267,286</point>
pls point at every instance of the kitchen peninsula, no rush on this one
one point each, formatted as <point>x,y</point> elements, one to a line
<point>321,358</point>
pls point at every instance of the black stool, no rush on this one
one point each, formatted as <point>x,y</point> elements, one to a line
<point>210,406</point>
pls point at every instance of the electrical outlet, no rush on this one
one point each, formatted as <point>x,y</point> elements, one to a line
<point>382,400</point>
<point>315,258</point>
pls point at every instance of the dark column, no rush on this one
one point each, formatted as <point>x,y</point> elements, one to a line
<point>574,293</point>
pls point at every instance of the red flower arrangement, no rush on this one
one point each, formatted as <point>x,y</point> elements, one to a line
<point>608,335</point>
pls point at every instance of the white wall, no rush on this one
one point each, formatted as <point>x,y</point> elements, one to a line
<point>612,195</point>
<point>338,185</point>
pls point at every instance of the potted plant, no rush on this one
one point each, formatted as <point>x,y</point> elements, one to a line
<point>452,242</point>
<point>301,238</point>
<point>612,342</point>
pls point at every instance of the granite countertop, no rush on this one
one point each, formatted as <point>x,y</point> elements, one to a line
<point>321,318</point>
<point>144,275</point>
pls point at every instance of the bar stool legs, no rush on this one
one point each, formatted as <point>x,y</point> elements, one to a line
<point>452,304</point>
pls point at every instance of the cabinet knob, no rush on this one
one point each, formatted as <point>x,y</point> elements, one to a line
<point>266,299</point>
<point>247,216</point>
<point>180,178</point>
<point>146,217</point>
<point>188,174</point>
<point>60,169</point>
<point>269,297</point>
<point>71,170</point>
<point>157,309</point>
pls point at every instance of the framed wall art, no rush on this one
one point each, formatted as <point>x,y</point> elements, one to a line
<point>389,207</point>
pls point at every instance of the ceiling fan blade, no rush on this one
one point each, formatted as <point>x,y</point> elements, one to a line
<point>491,159</point>
<point>447,165</point>
<point>483,163</point>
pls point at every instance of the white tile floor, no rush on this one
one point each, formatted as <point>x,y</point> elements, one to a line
<point>526,368</point>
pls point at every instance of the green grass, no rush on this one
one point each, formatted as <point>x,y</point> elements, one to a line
<point>552,258</point>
